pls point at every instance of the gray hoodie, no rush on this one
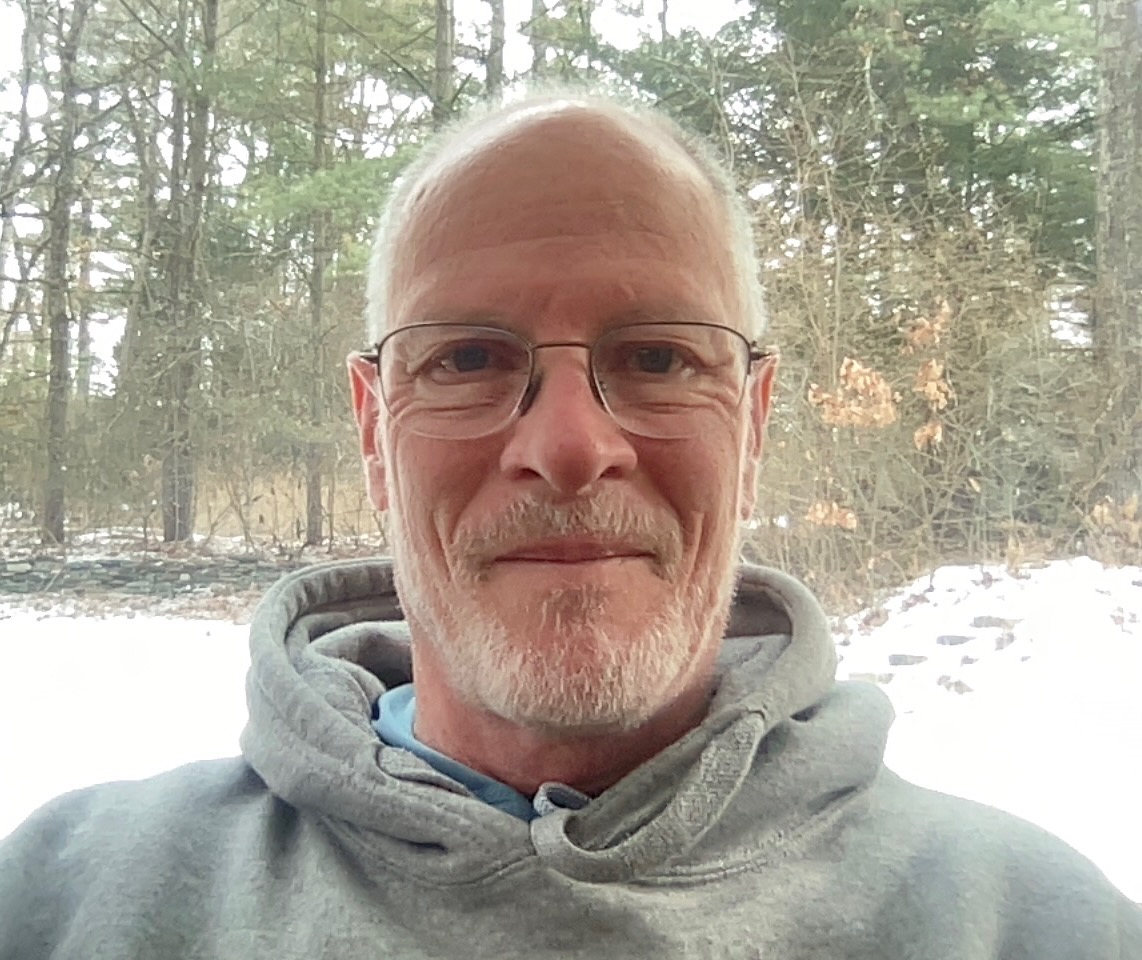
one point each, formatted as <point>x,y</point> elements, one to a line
<point>771,831</point>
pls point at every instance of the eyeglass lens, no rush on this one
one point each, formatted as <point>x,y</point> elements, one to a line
<point>656,380</point>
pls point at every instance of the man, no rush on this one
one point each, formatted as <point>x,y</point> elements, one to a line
<point>584,731</point>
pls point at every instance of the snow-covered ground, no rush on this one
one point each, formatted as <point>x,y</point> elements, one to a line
<point>1023,691</point>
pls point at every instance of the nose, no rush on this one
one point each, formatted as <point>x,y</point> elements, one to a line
<point>565,437</point>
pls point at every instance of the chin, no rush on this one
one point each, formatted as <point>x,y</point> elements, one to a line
<point>575,679</point>
<point>566,715</point>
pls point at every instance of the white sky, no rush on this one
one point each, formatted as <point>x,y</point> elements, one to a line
<point>1046,723</point>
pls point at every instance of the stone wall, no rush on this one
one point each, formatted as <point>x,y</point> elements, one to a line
<point>150,576</point>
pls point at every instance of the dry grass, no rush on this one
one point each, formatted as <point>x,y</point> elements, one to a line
<point>271,509</point>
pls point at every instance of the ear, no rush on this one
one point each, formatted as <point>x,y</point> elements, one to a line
<point>365,391</point>
<point>760,400</point>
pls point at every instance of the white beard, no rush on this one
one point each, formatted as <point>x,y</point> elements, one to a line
<point>584,676</point>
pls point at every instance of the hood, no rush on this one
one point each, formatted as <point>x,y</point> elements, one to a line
<point>782,745</point>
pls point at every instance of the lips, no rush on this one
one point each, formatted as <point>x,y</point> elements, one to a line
<point>572,551</point>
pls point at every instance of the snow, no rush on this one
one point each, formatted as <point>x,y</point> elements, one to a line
<point>85,700</point>
<point>1019,690</point>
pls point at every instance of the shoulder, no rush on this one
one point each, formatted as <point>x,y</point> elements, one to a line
<point>194,805</point>
<point>121,846</point>
<point>96,814</point>
<point>968,856</point>
<point>969,830</point>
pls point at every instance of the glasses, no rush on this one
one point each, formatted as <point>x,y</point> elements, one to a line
<point>463,381</point>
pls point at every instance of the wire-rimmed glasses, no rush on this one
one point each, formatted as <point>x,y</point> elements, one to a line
<point>464,381</point>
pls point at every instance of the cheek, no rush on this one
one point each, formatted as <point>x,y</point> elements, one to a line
<point>432,483</point>
<point>411,490</point>
<point>701,481</point>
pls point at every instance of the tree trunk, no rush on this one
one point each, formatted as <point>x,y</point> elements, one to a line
<point>1118,304</point>
<point>585,10</point>
<point>537,37</point>
<point>177,467</point>
<point>56,306</point>
<point>13,174</point>
<point>495,79</point>
<point>314,455</point>
<point>130,378</point>
<point>442,87</point>
<point>7,244</point>
<point>83,304</point>
<point>184,281</point>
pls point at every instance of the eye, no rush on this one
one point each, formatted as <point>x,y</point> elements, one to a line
<point>471,359</point>
<point>649,360</point>
<point>465,358</point>
<point>659,358</point>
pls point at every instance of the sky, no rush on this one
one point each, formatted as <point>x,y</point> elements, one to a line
<point>1019,690</point>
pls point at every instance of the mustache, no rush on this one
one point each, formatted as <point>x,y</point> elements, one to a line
<point>607,517</point>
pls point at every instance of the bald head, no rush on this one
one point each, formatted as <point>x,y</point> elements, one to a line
<point>588,158</point>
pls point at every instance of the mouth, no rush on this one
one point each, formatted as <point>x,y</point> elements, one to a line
<point>571,551</point>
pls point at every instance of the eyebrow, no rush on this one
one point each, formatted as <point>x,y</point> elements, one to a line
<point>642,313</point>
<point>478,318</point>
<point>667,313</point>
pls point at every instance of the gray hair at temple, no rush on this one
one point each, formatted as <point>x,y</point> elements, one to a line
<point>398,206</point>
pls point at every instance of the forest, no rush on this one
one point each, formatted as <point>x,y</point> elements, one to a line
<point>947,198</point>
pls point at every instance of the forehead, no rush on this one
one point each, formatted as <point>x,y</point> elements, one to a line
<point>574,194</point>
<point>573,156</point>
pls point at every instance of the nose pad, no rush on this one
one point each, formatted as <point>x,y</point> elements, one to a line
<point>596,392</point>
<point>532,392</point>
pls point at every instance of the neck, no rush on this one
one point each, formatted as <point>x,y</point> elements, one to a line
<point>525,758</point>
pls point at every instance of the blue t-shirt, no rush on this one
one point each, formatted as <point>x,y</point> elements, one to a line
<point>395,717</point>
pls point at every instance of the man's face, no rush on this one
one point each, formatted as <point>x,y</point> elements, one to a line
<point>562,573</point>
